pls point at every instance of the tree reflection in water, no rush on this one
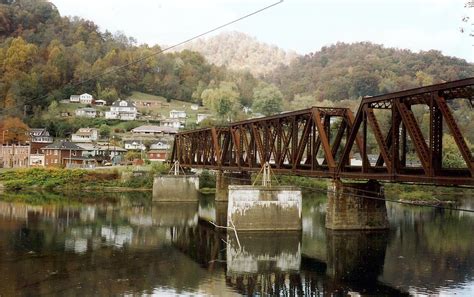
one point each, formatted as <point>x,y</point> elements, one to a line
<point>129,245</point>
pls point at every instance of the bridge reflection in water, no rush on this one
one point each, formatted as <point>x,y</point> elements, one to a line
<point>273,263</point>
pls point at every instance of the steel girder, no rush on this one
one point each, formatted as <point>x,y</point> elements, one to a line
<point>320,141</point>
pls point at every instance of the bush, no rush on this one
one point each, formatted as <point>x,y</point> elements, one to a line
<point>207,180</point>
<point>160,168</point>
<point>14,185</point>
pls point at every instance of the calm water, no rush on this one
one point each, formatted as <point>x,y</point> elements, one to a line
<point>127,245</point>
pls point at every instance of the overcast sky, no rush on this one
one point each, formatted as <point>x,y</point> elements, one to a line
<point>301,25</point>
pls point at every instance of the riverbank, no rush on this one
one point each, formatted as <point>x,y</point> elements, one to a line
<point>123,179</point>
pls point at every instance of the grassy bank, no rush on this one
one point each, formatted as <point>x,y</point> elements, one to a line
<point>73,179</point>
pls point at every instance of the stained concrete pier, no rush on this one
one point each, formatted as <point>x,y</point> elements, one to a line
<point>225,179</point>
<point>258,208</point>
<point>175,188</point>
<point>356,206</point>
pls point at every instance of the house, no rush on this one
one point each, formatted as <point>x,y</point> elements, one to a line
<point>74,99</point>
<point>157,155</point>
<point>152,130</point>
<point>65,114</point>
<point>194,107</point>
<point>85,135</point>
<point>15,155</point>
<point>175,123</point>
<point>40,135</point>
<point>100,102</point>
<point>86,98</point>
<point>134,145</point>
<point>160,145</point>
<point>122,110</point>
<point>86,112</point>
<point>177,114</point>
<point>39,138</point>
<point>201,117</point>
<point>101,151</point>
<point>66,154</point>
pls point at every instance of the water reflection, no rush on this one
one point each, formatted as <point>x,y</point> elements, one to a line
<point>129,245</point>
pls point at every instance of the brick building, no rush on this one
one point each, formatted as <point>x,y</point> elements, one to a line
<point>63,154</point>
<point>14,155</point>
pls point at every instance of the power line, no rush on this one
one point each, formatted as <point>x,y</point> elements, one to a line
<point>115,69</point>
<point>315,189</point>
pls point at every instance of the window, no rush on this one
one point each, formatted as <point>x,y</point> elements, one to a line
<point>55,152</point>
<point>56,161</point>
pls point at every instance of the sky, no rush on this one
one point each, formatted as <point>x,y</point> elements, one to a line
<point>300,25</point>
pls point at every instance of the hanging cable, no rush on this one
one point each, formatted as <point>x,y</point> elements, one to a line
<point>115,69</point>
<point>315,189</point>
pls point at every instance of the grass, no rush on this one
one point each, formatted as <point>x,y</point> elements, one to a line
<point>425,193</point>
<point>165,107</point>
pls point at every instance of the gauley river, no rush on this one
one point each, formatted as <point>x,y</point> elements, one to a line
<point>123,244</point>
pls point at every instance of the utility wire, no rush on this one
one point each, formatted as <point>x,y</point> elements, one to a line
<point>115,69</point>
<point>315,189</point>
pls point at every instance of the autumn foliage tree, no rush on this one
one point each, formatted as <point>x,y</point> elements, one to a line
<point>13,130</point>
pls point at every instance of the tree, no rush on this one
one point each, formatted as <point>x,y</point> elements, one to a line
<point>104,131</point>
<point>452,157</point>
<point>13,130</point>
<point>302,101</point>
<point>224,100</point>
<point>267,99</point>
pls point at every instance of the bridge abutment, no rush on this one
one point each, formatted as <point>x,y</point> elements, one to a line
<point>175,188</point>
<point>225,179</point>
<point>259,208</point>
<point>356,206</point>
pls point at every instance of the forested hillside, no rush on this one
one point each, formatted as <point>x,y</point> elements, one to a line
<point>45,58</point>
<point>42,53</point>
<point>349,71</point>
<point>239,51</point>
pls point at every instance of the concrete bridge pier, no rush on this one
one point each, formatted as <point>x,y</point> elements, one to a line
<point>347,210</point>
<point>175,188</point>
<point>264,208</point>
<point>225,179</point>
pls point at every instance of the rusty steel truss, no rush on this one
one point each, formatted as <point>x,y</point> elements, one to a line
<point>322,141</point>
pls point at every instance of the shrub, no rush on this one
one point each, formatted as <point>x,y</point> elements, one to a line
<point>207,180</point>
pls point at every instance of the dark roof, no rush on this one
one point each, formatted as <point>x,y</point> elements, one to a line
<point>39,132</point>
<point>117,103</point>
<point>63,145</point>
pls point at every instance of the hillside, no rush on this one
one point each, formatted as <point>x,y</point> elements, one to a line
<point>45,57</point>
<point>349,71</point>
<point>239,51</point>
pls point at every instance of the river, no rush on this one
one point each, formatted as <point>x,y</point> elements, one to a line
<point>123,244</point>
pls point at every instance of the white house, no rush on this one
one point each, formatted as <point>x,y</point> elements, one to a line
<point>134,145</point>
<point>85,135</point>
<point>194,107</point>
<point>86,112</point>
<point>122,110</point>
<point>160,145</point>
<point>175,123</point>
<point>176,114</point>
<point>201,117</point>
<point>100,102</point>
<point>86,98</point>
<point>74,99</point>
